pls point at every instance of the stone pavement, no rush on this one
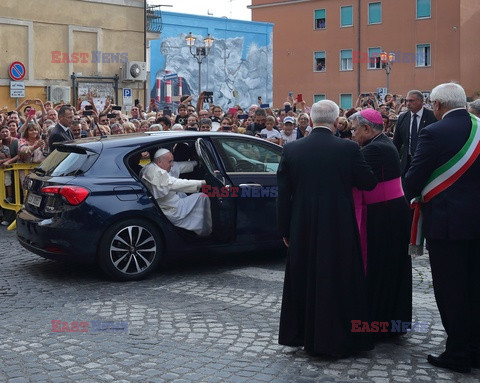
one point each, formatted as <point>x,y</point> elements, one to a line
<point>206,320</point>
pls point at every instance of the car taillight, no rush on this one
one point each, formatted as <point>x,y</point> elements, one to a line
<point>74,195</point>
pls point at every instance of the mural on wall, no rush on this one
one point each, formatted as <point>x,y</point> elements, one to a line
<point>234,72</point>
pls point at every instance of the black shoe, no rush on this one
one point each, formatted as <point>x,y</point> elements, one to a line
<point>444,362</point>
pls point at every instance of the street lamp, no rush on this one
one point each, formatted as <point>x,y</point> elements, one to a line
<point>199,53</point>
<point>387,63</point>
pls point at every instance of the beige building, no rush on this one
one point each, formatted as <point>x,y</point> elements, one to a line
<point>55,38</point>
<point>329,48</point>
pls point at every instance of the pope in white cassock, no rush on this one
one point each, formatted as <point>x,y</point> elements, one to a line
<point>190,212</point>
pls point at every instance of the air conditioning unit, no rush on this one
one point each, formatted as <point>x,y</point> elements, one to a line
<point>58,93</point>
<point>135,71</point>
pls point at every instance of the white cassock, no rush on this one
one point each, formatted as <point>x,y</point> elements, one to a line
<point>190,212</point>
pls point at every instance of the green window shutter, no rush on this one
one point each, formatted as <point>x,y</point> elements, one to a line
<point>423,8</point>
<point>346,101</point>
<point>346,16</point>
<point>319,14</point>
<point>374,13</point>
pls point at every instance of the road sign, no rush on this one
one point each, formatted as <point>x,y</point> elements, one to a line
<point>17,89</point>
<point>17,71</point>
<point>170,76</point>
<point>127,97</point>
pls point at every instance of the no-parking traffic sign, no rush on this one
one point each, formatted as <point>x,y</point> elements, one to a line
<point>17,71</point>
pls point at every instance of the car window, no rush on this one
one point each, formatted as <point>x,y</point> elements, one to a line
<point>247,156</point>
<point>67,161</point>
<point>182,150</point>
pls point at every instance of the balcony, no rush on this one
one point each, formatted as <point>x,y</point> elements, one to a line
<point>154,20</point>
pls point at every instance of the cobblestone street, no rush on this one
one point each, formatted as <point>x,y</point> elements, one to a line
<point>209,320</point>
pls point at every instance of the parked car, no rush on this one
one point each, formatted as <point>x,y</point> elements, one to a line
<point>87,203</point>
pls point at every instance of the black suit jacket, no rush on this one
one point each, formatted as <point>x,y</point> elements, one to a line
<point>454,213</point>
<point>58,134</point>
<point>401,137</point>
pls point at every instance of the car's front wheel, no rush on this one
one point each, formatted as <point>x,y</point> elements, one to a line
<point>130,250</point>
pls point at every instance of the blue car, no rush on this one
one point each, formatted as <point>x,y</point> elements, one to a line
<point>87,203</point>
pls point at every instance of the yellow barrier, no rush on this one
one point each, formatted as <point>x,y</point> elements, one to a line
<point>16,205</point>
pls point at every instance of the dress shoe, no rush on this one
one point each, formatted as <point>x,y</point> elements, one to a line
<point>445,362</point>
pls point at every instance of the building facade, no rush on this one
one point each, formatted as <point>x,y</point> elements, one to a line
<point>331,48</point>
<point>56,38</point>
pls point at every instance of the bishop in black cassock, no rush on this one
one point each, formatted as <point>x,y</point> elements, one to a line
<point>388,265</point>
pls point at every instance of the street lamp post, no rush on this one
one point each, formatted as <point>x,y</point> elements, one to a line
<point>199,53</point>
<point>387,63</point>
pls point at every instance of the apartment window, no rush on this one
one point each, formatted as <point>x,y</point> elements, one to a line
<point>318,97</point>
<point>374,58</point>
<point>319,62</point>
<point>423,55</point>
<point>320,21</point>
<point>346,101</point>
<point>423,9</point>
<point>375,13</point>
<point>346,59</point>
<point>346,16</point>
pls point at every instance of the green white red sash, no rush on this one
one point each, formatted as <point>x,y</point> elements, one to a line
<point>441,179</point>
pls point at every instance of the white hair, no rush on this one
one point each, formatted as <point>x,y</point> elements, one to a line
<point>475,106</point>
<point>449,95</point>
<point>324,112</point>
<point>177,127</point>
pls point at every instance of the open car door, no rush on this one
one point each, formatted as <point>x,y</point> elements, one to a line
<point>223,205</point>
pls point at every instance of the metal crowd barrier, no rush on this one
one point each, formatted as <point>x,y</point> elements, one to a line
<point>16,170</point>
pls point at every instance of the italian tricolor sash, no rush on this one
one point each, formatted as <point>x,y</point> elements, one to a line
<point>441,179</point>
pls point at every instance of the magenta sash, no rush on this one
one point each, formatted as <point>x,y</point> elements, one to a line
<point>384,191</point>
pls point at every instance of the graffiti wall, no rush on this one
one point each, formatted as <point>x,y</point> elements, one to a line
<point>237,69</point>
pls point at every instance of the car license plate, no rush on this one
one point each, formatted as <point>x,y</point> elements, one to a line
<point>34,199</point>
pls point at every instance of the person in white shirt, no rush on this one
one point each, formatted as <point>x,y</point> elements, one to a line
<point>190,212</point>
<point>288,134</point>
<point>270,133</point>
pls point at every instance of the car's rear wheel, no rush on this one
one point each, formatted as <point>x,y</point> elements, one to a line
<point>130,250</point>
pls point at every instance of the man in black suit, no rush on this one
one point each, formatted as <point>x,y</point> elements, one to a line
<point>403,138</point>
<point>451,222</point>
<point>61,132</point>
<point>324,289</point>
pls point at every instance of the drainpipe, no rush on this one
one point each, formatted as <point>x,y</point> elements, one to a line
<point>359,4</point>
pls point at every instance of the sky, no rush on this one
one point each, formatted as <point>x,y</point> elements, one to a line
<point>233,9</point>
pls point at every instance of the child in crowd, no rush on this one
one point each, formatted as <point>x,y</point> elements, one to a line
<point>288,134</point>
<point>270,132</point>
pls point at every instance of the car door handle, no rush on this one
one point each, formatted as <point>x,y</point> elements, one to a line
<point>250,185</point>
